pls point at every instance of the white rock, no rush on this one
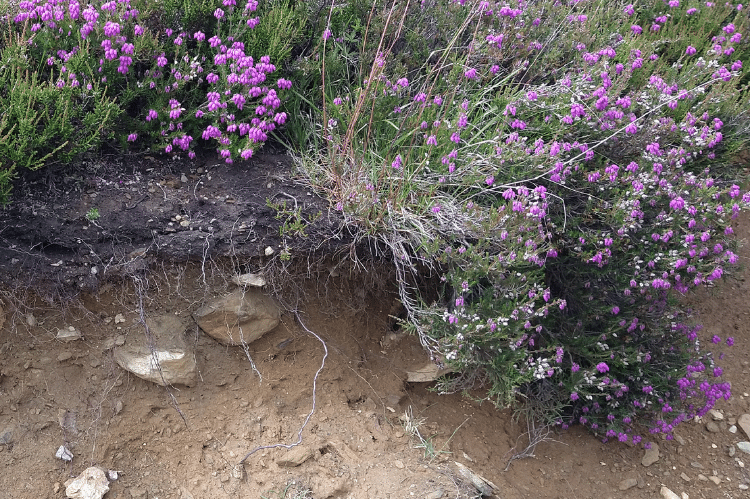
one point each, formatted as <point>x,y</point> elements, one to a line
<point>668,494</point>
<point>744,447</point>
<point>31,320</point>
<point>91,484</point>
<point>68,334</point>
<point>64,454</point>
<point>733,429</point>
<point>269,251</point>
<point>716,415</point>
<point>256,280</point>
<point>119,319</point>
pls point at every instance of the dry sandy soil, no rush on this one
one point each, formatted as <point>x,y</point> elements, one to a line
<point>187,442</point>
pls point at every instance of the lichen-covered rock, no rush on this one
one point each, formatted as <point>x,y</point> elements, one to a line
<point>239,317</point>
<point>162,356</point>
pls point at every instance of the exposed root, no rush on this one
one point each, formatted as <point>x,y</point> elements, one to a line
<point>314,399</point>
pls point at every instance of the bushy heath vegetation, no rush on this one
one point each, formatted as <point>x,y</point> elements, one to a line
<point>564,170</point>
<point>567,171</point>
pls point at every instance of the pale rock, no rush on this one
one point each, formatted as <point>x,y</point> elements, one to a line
<point>64,454</point>
<point>256,280</point>
<point>668,494</point>
<point>702,477</point>
<point>628,483</point>
<point>437,494</point>
<point>744,423</point>
<point>427,373</point>
<point>268,251</point>
<point>239,317</point>
<point>295,457</point>
<point>6,436</point>
<point>712,427</point>
<point>172,360</point>
<point>715,479</point>
<point>31,320</point>
<point>138,493</point>
<point>484,486</point>
<point>716,415</point>
<point>744,447</point>
<point>398,464</point>
<point>684,476</point>
<point>91,484</point>
<point>733,429</point>
<point>651,455</point>
<point>119,319</point>
<point>68,334</point>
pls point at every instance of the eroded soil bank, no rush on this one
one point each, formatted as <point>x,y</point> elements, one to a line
<point>187,442</point>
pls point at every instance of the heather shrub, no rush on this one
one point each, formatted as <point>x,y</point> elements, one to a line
<point>43,122</point>
<point>132,74</point>
<point>567,170</point>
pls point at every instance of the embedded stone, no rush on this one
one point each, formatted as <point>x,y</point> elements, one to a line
<point>295,457</point>
<point>651,455</point>
<point>744,423</point>
<point>161,354</point>
<point>91,484</point>
<point>256,280</point>
<point>239,317</point>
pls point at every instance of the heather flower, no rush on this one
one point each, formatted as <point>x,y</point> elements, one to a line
<point>602,367</point>
<point>690,50</point>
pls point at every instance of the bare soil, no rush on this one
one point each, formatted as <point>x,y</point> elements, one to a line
<point>187,442</point>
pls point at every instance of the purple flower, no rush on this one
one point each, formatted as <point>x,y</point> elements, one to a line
<point>436,209</point>
<point>690,50</point>
<point>602,367</point>
<point>574,396</point>
<point>132,137</point>
<point>730,341</point>
<point>677,203</point>
<point>218,14</point>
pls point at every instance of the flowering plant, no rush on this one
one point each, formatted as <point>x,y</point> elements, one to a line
<point>173,87</point>
<point>567,174</point>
